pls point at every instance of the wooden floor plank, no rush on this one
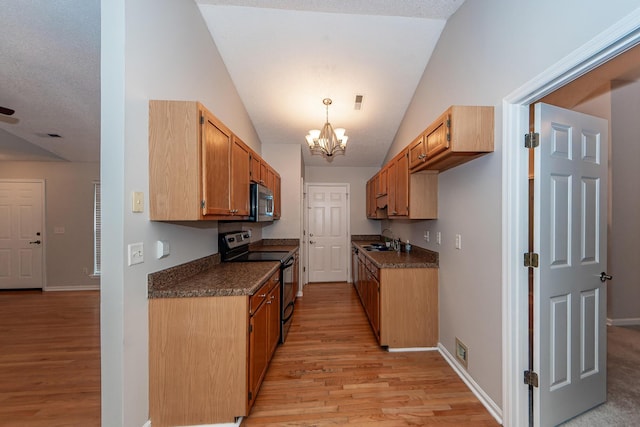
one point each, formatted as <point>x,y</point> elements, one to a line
<point>49,358</point>
<point>331,372</point>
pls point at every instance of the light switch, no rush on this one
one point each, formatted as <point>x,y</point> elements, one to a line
<point>438,237</point>
<point>137,201</point>
<point>58,229</point>
<point>458,241</point>
<point>136,253</point>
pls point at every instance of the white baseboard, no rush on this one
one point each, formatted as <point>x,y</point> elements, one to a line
<point>72,288</point>
<point>631,321</point>
<point>236,424</point>
<point>488,403</point>
<point>398,350</point>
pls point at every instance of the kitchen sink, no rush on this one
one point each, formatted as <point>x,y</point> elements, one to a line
<point>376,247</point>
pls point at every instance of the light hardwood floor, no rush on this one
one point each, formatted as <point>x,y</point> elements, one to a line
<point>49,359</point>
<point>331,371</point>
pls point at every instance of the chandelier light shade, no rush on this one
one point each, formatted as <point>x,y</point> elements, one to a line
<point>327,142</point>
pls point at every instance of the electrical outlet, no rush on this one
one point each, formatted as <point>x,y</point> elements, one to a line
<point>458,241</point>
<point>136,253</point>
<point>426,235</point>
<point>438,237</point>
<point>462,353</point>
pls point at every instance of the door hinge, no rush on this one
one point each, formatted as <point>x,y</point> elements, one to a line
<point>250,328</point>
<point>201,204</point>
<point>531,259</point>
<point>250,395</point>
<point>531,378</point>
<point>532,140</point>
<point>201,120</point>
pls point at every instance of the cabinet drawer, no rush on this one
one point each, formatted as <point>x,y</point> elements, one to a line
<point>261,295</point>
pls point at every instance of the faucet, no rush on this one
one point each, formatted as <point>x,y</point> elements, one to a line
<point>389,230</point>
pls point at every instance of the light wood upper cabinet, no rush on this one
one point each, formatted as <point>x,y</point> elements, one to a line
<point>197,168</point>
<point>240,177</point>
<point>398,190</point>
<point>277,196</point>
<point>417,153</point>
<point>460,134</point>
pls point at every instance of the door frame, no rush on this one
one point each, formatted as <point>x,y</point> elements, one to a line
<point>515,165</point>
<point>347,228</point>
<point>43,223</point>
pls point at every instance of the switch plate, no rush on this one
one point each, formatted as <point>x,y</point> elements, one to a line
<point>137,201</point>
<point>136,253</point>
<point>438,238</point>
<point>426,235</point>
<point>58,229</point>
<point>458,241</point>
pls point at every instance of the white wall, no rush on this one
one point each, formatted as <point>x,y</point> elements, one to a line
<point>624,290</point>
<point>357,177</point>
<point>68,204</point>
<point>162,50</point>
<point>484,55</point>
<point>151,49</point>
<point>286,159</point>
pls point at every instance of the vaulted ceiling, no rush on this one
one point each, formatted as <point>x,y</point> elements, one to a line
<point>284,57</point>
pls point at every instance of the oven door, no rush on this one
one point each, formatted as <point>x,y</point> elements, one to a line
<point>288,291</point>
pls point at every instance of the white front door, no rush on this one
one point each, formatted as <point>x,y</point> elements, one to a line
<point>328,221</point>
<point>570,235</point>
<point>21,234</point>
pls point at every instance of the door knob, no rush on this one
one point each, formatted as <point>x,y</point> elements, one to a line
<point>604,277</point>
<point>35,242</point>
<point>310,234</point>
<point>311,242</point>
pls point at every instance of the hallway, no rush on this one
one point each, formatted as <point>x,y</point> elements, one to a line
<point>331,371</point>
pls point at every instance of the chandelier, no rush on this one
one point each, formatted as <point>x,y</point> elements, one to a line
<point>327,141</point>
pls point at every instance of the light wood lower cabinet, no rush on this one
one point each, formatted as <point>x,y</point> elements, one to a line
<point>401,304</point>
<point>208,355</point>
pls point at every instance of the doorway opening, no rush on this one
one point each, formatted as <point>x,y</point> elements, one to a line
<point>596,57</point>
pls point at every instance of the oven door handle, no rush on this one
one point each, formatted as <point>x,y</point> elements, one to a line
<point>285,318</point>
<point>288,263</point>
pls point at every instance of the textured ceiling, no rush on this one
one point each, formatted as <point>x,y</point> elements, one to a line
<point>50,75</point>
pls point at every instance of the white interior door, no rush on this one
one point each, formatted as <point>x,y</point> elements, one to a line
<point>21,234</point>
<point>570,235</point>
<point>328,233</point>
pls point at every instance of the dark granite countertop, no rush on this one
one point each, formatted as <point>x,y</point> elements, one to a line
<point>206,278</point>
<point>417,258</point>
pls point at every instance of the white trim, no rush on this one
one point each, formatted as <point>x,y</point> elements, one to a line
<point>484,398</point>
<point>630,321</point>
<point>616,39</point>
<point>399,350</point>
<point>65,288</point>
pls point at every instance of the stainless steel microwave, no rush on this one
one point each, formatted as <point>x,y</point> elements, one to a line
<point>261,203</point>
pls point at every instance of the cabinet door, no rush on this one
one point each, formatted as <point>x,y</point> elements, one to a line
<point>258,349</point>
<point>216,166</point>
<point>402,185</point>
<point>374,303</point>
<point>277,197</point>
<point>273,306</point>
<point>382,181</point>
<point>264,172</point>
<point>254,168</point>
<point>437,139</point>
<point>417,153</point>
<point>240,179</point>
